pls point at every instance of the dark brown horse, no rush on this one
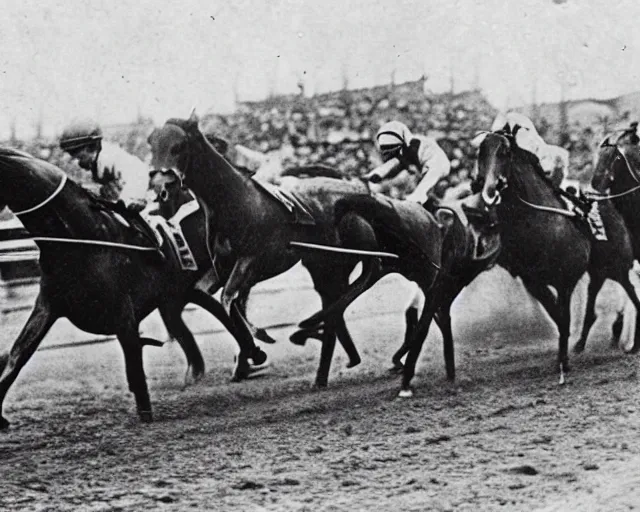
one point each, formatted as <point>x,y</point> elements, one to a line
<point>617,177</point>
<point>442,254</point>
<point>100,288</point>
<point>257,231</point>
<point>172,195</point>
<point>542,241</point>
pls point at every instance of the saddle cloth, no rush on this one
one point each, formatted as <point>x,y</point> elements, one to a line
<point>593,217</point>
<point>300,213</point>
<point>172,230</point>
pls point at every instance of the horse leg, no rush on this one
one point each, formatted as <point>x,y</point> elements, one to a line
<point>238,327</point>
<point>172,317</point>
<point>240,275</point>
<point>248,349</point>
<point>564,326</point>
<point>371,273</point>
<point>132,348</point>
<point>347,343</point>
<point>258,332</point>
<point>543,295</point>
<point>595,284</point>
<point>616,330</point>
<point>411,320</point>
<point>419,337</point>
<point>33,332</point>
<point>631,292</point>
<point>443,319</point>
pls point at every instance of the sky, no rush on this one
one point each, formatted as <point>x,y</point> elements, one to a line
<point>109,60</point>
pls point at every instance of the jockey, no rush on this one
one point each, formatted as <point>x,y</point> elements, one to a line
<point>399,148</point>
<point>122,176</point>
<point>553,159</point>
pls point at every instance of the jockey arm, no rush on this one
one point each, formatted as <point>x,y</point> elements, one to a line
<point>386,171</point>
<point>435,168</point>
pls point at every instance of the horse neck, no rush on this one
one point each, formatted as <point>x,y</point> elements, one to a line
<point>528,184</point>
<point>227,192</point>
<point>628,204</point>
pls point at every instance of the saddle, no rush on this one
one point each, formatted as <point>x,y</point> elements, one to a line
<point>299,212</point>
<point>141,232</point>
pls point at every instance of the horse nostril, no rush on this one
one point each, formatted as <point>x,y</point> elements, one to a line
<point>164,195</point>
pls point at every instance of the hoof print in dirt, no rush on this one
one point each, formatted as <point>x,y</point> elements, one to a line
<point>247,485</point>
<point>525,469</point>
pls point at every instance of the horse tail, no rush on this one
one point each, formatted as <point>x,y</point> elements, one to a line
<point>394,233</point>
<point>382,216</point>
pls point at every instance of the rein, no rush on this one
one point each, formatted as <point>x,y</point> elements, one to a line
<point>550,209</point>
<point>61,185</point>
<point>102,243</point>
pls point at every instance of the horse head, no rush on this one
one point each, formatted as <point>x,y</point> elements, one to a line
<point>494,164</point>
<point>616,164</point>
<point>180,146</point>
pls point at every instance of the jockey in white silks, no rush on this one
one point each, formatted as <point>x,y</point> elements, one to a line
<point>399,149</point>
<point>551,157</point>
<point>121,176</point>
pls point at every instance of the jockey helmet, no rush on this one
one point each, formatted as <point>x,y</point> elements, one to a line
<point>80,134</point>
<point>392,137</point>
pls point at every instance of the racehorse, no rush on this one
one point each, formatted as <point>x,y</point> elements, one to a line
<point>441,254</point>
<point>258,230</point>
<point>617,171</point>
<point>542,242</point>
<point>96,271</point>
<point>172,195</point>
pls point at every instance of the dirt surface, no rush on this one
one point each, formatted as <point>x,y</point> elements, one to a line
<point>505,436</point>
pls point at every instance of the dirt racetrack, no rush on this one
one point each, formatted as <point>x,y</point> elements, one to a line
<point>504,437</point>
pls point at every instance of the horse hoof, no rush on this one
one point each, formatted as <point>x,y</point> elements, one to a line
<point>298,338</point>
<point>262,335</point>
<point>259,357</point>
<point>4,424</point>
<point>396,369</point>
<point>578,348</point>
<point>145,416</point>
<point>405,393</point>
<point>320,385</point>
<point>354,362</point>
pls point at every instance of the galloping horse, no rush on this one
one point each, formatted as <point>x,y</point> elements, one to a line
<point>96,271</point>
<point>618,172</point>
<point>541,241</point>
<point>258,230</point>
<point>441,254</point>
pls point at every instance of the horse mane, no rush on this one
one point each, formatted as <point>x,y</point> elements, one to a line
<point>15,153</point>
<point>633,157</point>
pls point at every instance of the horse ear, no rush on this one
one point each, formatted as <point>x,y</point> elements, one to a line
<point>150,137</point>
<point>193,117</point>
<point>479,139</point>
<point>605,142</point>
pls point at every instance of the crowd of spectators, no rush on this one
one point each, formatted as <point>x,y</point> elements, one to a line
<point>337,129</point>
